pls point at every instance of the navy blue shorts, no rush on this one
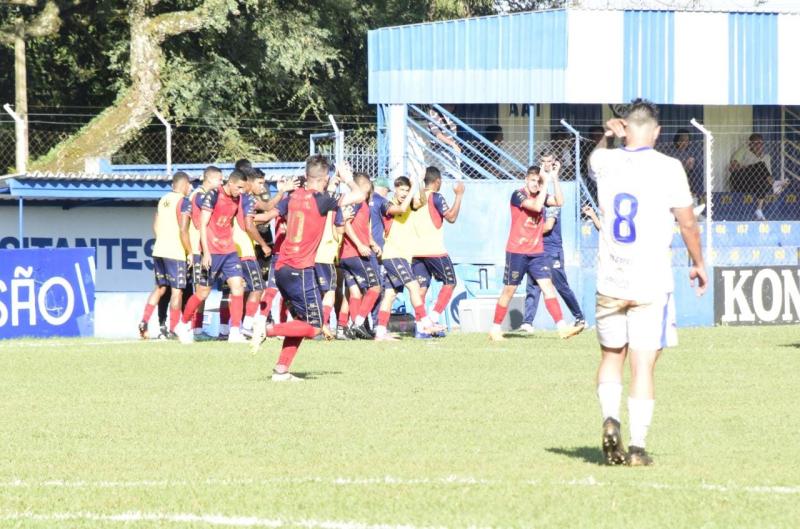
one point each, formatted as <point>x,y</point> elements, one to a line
<point>397,272</point>
<point>518,265</point>
<point>359,271</point>
<point>326,276</point>
<point>199,274</point>
<point>224,266</point>
<point>252,275</point>
<point>169,272</point>
<point>271,283</point>
<point>440,268</point>
<point>300,290</point>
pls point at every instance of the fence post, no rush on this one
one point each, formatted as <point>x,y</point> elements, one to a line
<point>708,144</point>
<point>398,140</point>
<point>20,127</point>
<point>169,140</point>
<point>531,134</point>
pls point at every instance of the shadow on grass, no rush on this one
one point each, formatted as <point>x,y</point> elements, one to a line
<point>589,454</point>
<point>313,375</point>
<point>792,345</point>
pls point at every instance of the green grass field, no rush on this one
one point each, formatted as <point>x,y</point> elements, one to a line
<point>450,433</point>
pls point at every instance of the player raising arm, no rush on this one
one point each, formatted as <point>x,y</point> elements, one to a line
<point>641,193</point>
<point>306,211</point>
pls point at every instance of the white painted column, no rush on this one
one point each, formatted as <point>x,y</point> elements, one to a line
<point>396,128</point>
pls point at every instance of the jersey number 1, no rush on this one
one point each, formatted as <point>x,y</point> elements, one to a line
<point>624,228</point>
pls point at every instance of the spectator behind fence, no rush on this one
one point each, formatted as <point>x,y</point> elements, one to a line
<point>597,138</point>
<point>445,131</point>
<point>681,150</point>
<point>750,171</point>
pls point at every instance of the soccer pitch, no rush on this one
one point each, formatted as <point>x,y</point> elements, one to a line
<point>457,433</point>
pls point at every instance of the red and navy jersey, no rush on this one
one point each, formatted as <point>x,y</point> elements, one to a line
<point>437,207</point>
<point>247,208</point>
<point>361,226</point>
<point>280,234</point>
<point>527,226</point>
<point>376,203</point>
<point>305,212</point>
<point>223,210</point>
<point>196,200</point>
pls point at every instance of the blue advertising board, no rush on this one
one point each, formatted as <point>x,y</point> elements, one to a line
<point>47,292</point>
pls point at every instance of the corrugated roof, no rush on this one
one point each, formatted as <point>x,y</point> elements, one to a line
<point>719,6</point>
<point>103,177</point>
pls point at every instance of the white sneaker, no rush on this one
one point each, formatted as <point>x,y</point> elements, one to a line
<point>527,327</point>
<point>285,377</point>
<point>760,215</point>
<point>185,334</point>
<point>236,336</point>
<point>259,333</point>
<point>699,209</point>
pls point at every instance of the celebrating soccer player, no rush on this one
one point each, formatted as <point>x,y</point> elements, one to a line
<point>306,210</point>
<point>430,256</point>
<point>398,250</point>
<point>220,206</point>
<point>357,260</point>
<point>169,252</point>
<point>640,194</point>
<point>525,248</point>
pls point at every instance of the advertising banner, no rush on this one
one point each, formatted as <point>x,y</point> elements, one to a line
<point>756,295</point>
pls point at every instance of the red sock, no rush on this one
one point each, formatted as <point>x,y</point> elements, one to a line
<point>289,350</point>
<point>198,319</point>
<point>554,308</point>
<point>174,318</point>
<point>368,302</point>
<point>225,312</point>
<point>343,317</point>
<point>383,317</point>
<point>266,300</point>
<point>294,328</point>
<point>500,313</point>
<point>148,311</point>
<point>444,298</point>
<point>251,308</point>
<point>355,306</point>
<point>191,307</point>
<point>326,314</point>
<point>284,315</point>
<point>236,305</point>
<point>419,312</point>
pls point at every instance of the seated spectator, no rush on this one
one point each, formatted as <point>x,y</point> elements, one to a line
<point>681,150</point>
<point>750,171</point>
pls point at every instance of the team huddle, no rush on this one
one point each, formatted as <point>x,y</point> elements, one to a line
<point>336,233</point>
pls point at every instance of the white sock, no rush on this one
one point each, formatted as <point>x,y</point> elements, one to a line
<point>380,331</point>
<point>247,322</point>
<point>610,395</point>
<point>640,414</point>
<point>224,329</point>
<point>235,331</point>
<point>434,316</point>
<point>359,320</point>
<point>423,324</point>
<point>259,318</point>
<point>496,327</point>
<point>560,324</point>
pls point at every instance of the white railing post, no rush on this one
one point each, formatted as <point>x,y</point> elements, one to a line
<point>708,144</point>
<point>21,148</point>
<point>339,145</point>
<point>169,140</point>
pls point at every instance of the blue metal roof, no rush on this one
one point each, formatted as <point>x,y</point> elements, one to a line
<point>85,189</point>
<point>590,56</point>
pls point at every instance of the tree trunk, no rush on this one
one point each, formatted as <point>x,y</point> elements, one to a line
<point>133,110</point>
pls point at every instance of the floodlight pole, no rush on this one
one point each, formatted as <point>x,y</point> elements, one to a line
<point>169,140</point>
<point>22,150</point>
<point>708,147</point>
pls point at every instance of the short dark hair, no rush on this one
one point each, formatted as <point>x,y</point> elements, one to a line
<point>210,170</point>
<point>236,176</point>
<point>243,163</point>
<point>640,110</point>
<point>178,177</point>
<point>755,137</point>
<point>493,132</point>
<point>432,174</point>
<point>402,181</point>
<point>252,174</point>
<point>317,167</point>
<point>533,169</point>
<point>547,152</point>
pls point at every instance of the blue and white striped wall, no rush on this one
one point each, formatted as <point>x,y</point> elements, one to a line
<point>583,56</point>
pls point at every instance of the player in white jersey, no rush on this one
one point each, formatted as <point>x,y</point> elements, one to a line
<point>641,193</point>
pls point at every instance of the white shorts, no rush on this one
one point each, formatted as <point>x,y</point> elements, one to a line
<point>642,326</point>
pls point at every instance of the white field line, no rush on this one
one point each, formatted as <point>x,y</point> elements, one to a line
<point>208,519</point>
<point>458,481</point>
<point>55,343</point>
